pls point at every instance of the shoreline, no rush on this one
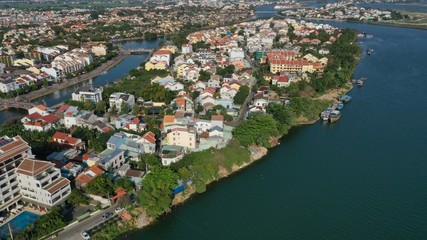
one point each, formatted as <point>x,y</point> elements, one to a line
<point>257,153</point>
<point>31,96</point>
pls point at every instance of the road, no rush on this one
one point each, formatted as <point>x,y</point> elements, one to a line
<point>245,106</point>
<point>74,232</point>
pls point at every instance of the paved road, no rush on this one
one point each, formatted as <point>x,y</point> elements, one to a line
<point>245,106</point>
<point>74,232</point>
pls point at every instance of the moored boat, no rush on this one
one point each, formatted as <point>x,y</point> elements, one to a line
<point>334,115</point>
<point>325,114</point>
<point>340,106</point>
<point>360,82</point>
<point>345,98</point>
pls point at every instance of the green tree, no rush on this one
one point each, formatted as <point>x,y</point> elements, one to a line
<point>88,105</point>
<point>100,107</point>
<point>76,198</point>
<point>256,130</point>
<point>125,183</point>
<point>241,95</point>
<point>102,184</point>
<point>156,196</point>
<point>136,109</point>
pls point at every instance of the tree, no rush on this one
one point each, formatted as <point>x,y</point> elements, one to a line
<point>149,160</point>
<point>241,95</point>
<point>136,109</point>
<point>125,183</point>
<point>156,196</point>
<point>88,105</point>
<point>102,184</point>
<point>256,130</point>
<point>124,108</point>
<point>204,76</point>
<point>100,107</point>
<point>76,198</point>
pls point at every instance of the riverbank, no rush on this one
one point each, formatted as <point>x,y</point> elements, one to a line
<point>31,96</point>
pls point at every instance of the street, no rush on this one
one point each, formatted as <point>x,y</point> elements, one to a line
<point>74,232</point>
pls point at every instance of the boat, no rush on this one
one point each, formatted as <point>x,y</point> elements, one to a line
<point>345,98</point>
<point>334,116</point>
<point>360,82</point>
<point>353,80</point>
<point>325,114</point>
<point>370,51</point>
<point>335,106</point>
<point>340,106</point>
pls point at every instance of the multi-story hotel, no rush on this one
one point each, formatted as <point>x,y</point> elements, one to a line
<point>21,178</point>
<point>12,152</point>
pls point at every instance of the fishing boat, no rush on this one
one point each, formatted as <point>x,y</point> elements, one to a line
<point>360,82</point>
<point>340,106</point>
<point>325,114</point>
<point>345,98</point>
<point>334,115</point>
<point>370,51</point>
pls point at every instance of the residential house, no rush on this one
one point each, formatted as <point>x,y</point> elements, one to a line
<point>171,154</point>
<point>87,176</point>
<point>88,93</point>
<point>118,99</point>
<point>184,137</point>
<point>67,141</point>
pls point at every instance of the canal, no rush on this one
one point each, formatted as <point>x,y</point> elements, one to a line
<point>364,177</point>
<point>118,71</point>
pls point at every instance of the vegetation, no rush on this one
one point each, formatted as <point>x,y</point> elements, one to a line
<point>77,198</point>
<point>102,184</point>
<point>43,226</point>
<point>241,95</point>
<point>256,130</point>
<point>342,62</point>
<point>156,196</point>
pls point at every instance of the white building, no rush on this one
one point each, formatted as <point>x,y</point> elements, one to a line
<point>88,93</point>
<point>41,183</point>
<point>187,48</point>
<point>162,56</point>
<point>8,85</point>
<point>236,54</point>
<point>100,50</point>
<point>112,158</point>
<point>12,152</point>
<point>117,99</point>
<point>51,71</point>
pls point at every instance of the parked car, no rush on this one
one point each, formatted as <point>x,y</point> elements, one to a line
<point>85,235</point>
<point>106,215</point>
<point>119,209</point>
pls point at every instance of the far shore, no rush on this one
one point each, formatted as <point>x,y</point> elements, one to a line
<point>31,96</point>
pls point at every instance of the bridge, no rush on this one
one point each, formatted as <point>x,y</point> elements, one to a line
<point>140,51</point>
<point>13,104</point>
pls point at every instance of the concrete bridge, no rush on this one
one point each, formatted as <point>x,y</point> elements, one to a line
<point>13,104</point>
<point>141,51</point>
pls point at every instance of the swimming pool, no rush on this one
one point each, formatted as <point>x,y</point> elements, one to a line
<point>18,224</point>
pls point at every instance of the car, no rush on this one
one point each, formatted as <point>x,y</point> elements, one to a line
<point>119,209</point>
<point>85,235</point>
<point>106,215</point>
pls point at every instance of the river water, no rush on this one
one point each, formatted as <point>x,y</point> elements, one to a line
<point>118,71</point>
<point>364,177</point>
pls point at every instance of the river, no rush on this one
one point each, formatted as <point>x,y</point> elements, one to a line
<point>364,177</point>
<point>118,71</point>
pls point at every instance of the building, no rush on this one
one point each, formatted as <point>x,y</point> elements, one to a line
<point>181,137</point>
<point>73,61</point>
<point>88,93</point>
<point>100,50</point>
<point>41,183</point>
<point>87,176</point>
<point>67,141</point>
<point>132,144</point>
<point>186,48</point>
<point>171,154</point>
<point>12,152</point>
<point>112,158</point>
<point>8,85</point>
<point>162,56</point>
<point>118,99</point>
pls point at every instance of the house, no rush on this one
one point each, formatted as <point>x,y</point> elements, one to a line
<point>155,65</point>
<point>162,56</point>
<point>175,87</point>
<point>67,141</point>
<point>236,54</point>
<point>71,170</point>
<point>110,158</point>
<point>87,176</point>
<point>88,93</point>
<point>186,48</point>
<point>281,81</point>
<point>37,122</point>
<point>184,137</point>
<point>214,81</point>
<point>40,109</point>
<point>41,183</point>
<point>132,144</point>
<point>130,122</point>
<point>132,174</point>
<point>171,154</point>
<point>118,99</point>
<point>183,103</point>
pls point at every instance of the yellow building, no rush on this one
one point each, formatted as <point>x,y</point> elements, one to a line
<point>181,137</point>
<point>23,62</point>
<point>34,70</point>
<point>171,48</point>
<point>180,70</point>
<point>155,66</point>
